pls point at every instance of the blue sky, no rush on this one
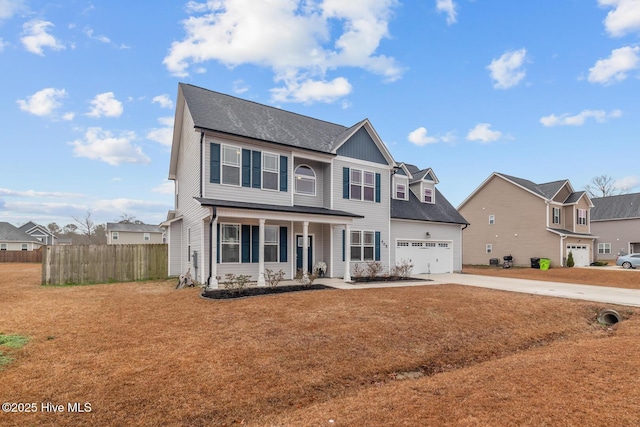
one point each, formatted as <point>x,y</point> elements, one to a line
<point>543,90</point>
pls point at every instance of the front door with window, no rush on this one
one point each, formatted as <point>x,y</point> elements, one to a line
<point>299,247</point>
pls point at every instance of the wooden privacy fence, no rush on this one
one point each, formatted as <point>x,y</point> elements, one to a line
<point>103,263</point>
<point>21,256</point>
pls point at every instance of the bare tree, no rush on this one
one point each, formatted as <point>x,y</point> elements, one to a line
<point>603,186</point>
<point>126,218</point>
<point>54,228</point>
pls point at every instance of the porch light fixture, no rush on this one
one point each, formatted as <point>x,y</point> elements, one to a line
<point>428,234</point>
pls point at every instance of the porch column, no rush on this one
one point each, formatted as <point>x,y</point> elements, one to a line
<point>213,252</point>
<point>347,253</point>
<point>261,281</point>
<point>305,252</point>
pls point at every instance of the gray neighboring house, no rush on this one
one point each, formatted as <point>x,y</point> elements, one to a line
<point>39,232</point>
<point>14,239</point>
<point>616,221</point>
<point>258,187</point>
<point>127,234</point>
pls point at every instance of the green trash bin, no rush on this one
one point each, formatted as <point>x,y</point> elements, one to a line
<point>545,263</point>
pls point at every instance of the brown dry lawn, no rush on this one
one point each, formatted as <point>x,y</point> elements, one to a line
<point>144,354</point>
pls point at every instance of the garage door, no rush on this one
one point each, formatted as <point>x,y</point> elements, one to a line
<point>580,254</point>
<point>426,256</point>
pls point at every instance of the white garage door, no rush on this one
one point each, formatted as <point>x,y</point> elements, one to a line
<point>426,256</point>
<point>580,254</point>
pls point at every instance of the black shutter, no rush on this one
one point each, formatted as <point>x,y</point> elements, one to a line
<point>284,239</point>
<point>246,168</point>
<point>378,177</point>
<point>246,243</point>
<point>345,183</point>
<point>284,173</point>
<point>214,172</point>
<point>256,169</point>
<point>255,243</point>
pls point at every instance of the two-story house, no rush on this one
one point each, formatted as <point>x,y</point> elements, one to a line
<point>14,239</point>
<point>39,232</point>
<point>257,187</point>
<point>517,217</point>
<point>616,221</point>
<point>121,234</point>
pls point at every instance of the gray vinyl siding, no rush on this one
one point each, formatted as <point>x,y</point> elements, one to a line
<point>188,178</point>
<point>360,146</point>
<point>137,238</point>
<point>327,174</point>
<point>318,169</point>
<point>401,229</point>
<point>175,248</point>
<point>240,193</point>
<point>251,268</point>
<point>376,215</point>
<point>623,235</point>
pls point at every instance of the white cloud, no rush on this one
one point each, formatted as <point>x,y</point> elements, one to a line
<point>99,144</point>
<point>600,116</point>
<point>43,102</point>
<point>627,183</point>
<point>105,104</point>
<point>507,71</point>
<point>615,68</point>
<point>419,137</point>
<point>624,18</point>
<point>2,45</point>
<point>163,135</point>
<point>240,87</point>
<point>101,38</point>
<point>8,8</point>
<point>163,100</point>
<point>448,7</point>
<point>165,188</point>
<point>299,40</point>
<point>311,91</point>
<point>68,116</point>
<point>482,133</point>
<point>38,194</point>
<point>35,37</point>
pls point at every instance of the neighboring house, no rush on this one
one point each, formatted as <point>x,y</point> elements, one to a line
<point>123,234</point>
<point>514,216</point>
<point>259,188</point>
<point>14,239</point>
<point>616,221</point>
<point>39,232</point>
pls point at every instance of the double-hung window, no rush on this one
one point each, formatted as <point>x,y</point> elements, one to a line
<point>3,246</point>
<point>230,165</point>
<point>401,191</point>
<point>270,171</point>
<point>604,248</point>
<point>362,245</point>
<point>492,219</point>
<point>428,195</point>
<point>556,215</point>
<point>230,242</point>
<point>582,217</point>
<point>363,185</point>
<point>271,243</point>
<point>25,247</point>
<point>114,235</point>
<point>146,237</point>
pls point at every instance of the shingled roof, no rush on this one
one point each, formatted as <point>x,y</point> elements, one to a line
<point>440,211</point>
<point>224,113</point>
<point>624,206</point>
<point>11,233</point>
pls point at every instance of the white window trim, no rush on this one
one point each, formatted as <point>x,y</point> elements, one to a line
<point>146,237</point>
<point>24,247</point>
<point>602,248</point>
<point>223,164</point>
<point>3,246</point>
<point>362,245</point>
<point>362,184</point>
<point>239,243</point>
<point>115,235</point>
<point>406,194</point>
<point>264,170</point>
<point>424,194</point>
<point>582,219</point>
<point>492,219</point>
<point>276,244</point>
<point>554,215</point>
<point>489,248</point>
<point>297,177</point>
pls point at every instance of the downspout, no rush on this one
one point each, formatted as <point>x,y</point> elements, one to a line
<point>562,237</point>
<point>201,162</point>
<point>214,214</point>
<point>462,246</point>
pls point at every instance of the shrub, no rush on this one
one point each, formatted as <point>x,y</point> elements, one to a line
<point>309,279</point>
<point>570,261</point>
<point>234,283</point>
<point>273,279</point>
<point>402,269</point>
<point>374,268</point>
<point>357,271</point>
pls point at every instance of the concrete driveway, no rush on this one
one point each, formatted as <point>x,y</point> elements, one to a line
<point>602,294</point>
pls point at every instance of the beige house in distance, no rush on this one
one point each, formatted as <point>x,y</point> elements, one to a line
<point>128,234</point>
<point>517,217</point>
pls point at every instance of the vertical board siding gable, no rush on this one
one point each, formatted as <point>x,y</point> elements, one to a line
<point>361,146</point>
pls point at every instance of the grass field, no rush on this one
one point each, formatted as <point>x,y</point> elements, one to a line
<point>144,354</point>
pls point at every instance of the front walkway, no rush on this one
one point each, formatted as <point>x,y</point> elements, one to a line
<point>602,294</point>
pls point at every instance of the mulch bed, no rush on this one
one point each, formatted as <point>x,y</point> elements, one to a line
<point>255,291</point>
<point>388,279</point>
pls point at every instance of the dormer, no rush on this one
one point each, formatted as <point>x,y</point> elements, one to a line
<point>423,185</point>
<point>400,183</point>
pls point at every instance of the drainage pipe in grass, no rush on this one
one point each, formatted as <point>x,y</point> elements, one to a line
<point>609,317</point>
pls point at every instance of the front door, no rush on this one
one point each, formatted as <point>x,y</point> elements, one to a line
<point>299,252</point>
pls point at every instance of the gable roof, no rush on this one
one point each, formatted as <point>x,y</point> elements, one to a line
<point>11,233</point>
<point>227,114</point>
<point>31,226</point>
<point>133,228</point>
<point>623,206</point>
<point>546,191</point>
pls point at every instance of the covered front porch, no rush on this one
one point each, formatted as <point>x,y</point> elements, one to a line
<point>248,239</point>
